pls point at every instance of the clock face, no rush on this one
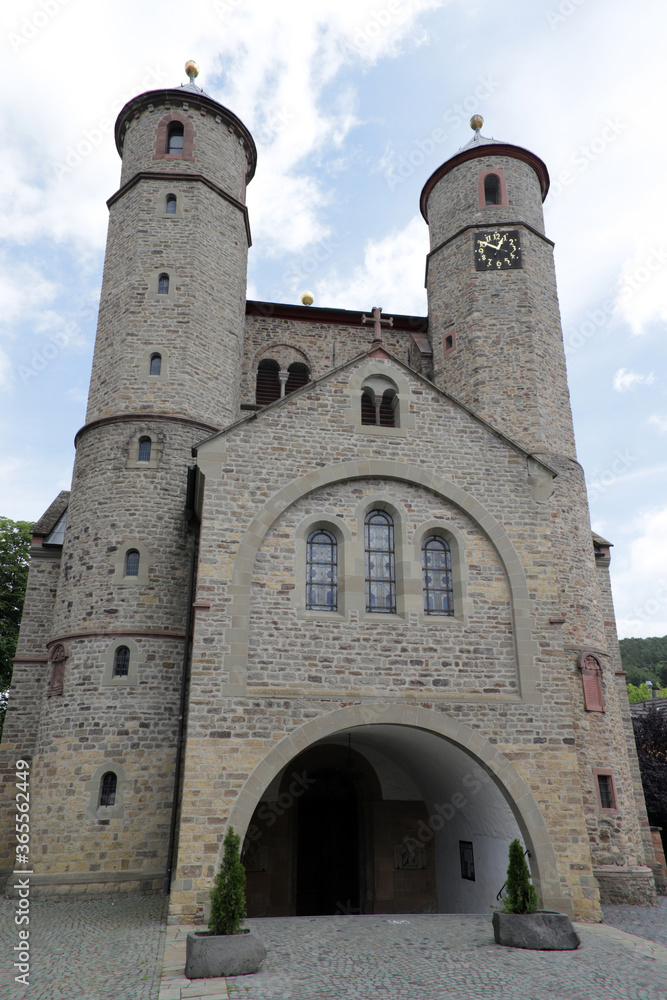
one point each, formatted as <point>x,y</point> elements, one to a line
<point>497,251</point>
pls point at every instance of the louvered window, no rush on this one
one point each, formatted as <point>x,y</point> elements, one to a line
<point>387,409</point>
<point>367,408</point>
<point>268,384</point>
<point>298,376</point>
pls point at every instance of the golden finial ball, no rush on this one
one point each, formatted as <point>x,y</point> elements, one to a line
<point>307,298</point>
<point>191,68</point>
<point>476,122</point>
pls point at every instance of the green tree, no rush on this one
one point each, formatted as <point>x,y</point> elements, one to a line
<point>15,538</point>
<point>521,896</point>
<point>228,909</point>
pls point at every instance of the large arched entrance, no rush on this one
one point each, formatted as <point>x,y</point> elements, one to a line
<point>379,818</point>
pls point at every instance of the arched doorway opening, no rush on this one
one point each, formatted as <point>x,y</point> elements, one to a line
<point>379,818</point>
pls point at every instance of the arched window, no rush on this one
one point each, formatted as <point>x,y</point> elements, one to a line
<point>298,376</point>
<point>170,207</point>
<point>321,572</point>
<point>437,576</point>
<point>132,563</point>
<point>163,284</point>
<point>121,662</point>
<point>108,789</point>
<point>386,413</point>
<point>156,364</point>
<point>268,383</point>
<point>367,408</point>
<point>144,449</point>
<point>380,566</point>
<point>492,189</point>
<point>175,138</point>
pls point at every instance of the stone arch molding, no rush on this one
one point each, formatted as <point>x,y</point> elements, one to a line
<point>237,636</point>
<point>285,355</point>
<point>511,784</point>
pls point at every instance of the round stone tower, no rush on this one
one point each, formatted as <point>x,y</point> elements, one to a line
<point>494,319</point>
<point>166,372</point>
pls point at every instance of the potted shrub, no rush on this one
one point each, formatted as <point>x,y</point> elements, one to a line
<point>226,949</point>
<point>520,924</point>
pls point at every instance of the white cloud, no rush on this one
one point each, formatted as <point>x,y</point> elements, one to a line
<point>640,580</point>
<point>659,422</point>
<point>625,379</point>
<point>391,275</point>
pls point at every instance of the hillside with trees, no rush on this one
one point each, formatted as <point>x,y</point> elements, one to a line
<point>645,660</point>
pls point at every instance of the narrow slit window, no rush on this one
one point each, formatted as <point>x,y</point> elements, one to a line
<point>144,449</point>
<point>132,563</point>
<point>175,139</point>
<point>267,388</point>
<point>321,572</point>
<point>108,789</point>
<point>156,364</point>
<point>606,791</point>
<point>171,204</point>
<point>437,576</point>
<point>380,563</point>
<point>163,284</point>
<point>492,189</point>
<point>121,662</point>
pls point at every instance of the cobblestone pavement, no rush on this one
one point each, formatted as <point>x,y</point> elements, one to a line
<point>112,949</point>
<point>96,949</point>
<point>647,921</point>
<point>436,957</point>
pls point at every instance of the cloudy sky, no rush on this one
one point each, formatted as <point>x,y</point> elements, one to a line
<point>353,104</point>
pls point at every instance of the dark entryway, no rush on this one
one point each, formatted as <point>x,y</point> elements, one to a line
<point>328,846</point>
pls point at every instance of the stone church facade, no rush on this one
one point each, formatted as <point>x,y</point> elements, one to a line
<point>323,576</point>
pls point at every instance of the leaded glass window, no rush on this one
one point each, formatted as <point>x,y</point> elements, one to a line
<point>163,284</point>
<point>175,139</point>
<point>156,364</point>
<point>132,563</point>
<point>437,576</point>
<point>108,789</point>
<point>144,449</point>
<point>380,563</point>
<point>321,571</point>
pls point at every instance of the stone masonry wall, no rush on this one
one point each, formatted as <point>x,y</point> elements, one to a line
<point>305,439</point>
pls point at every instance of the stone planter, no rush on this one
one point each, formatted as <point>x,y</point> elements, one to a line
<point>543,930</point>
<point>211,955</point>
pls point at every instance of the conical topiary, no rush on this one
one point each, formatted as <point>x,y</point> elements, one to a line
<point>228,893</point>
<point>521,896</point>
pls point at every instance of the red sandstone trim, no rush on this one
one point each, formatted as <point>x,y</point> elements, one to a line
<point>483,174</point>
<point>30,659</point>
<point>163,175</point>
<point>144,417</point>
<point>609,773</point>
<point>115,633</point>
<point>334,317</point>
<point>493,149</point>
<point>167,98</point>
<point>162,138</point>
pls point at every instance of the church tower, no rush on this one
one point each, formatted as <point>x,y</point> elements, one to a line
<point>165,374</point>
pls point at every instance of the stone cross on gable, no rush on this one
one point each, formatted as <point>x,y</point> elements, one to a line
<point>377,320</point>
